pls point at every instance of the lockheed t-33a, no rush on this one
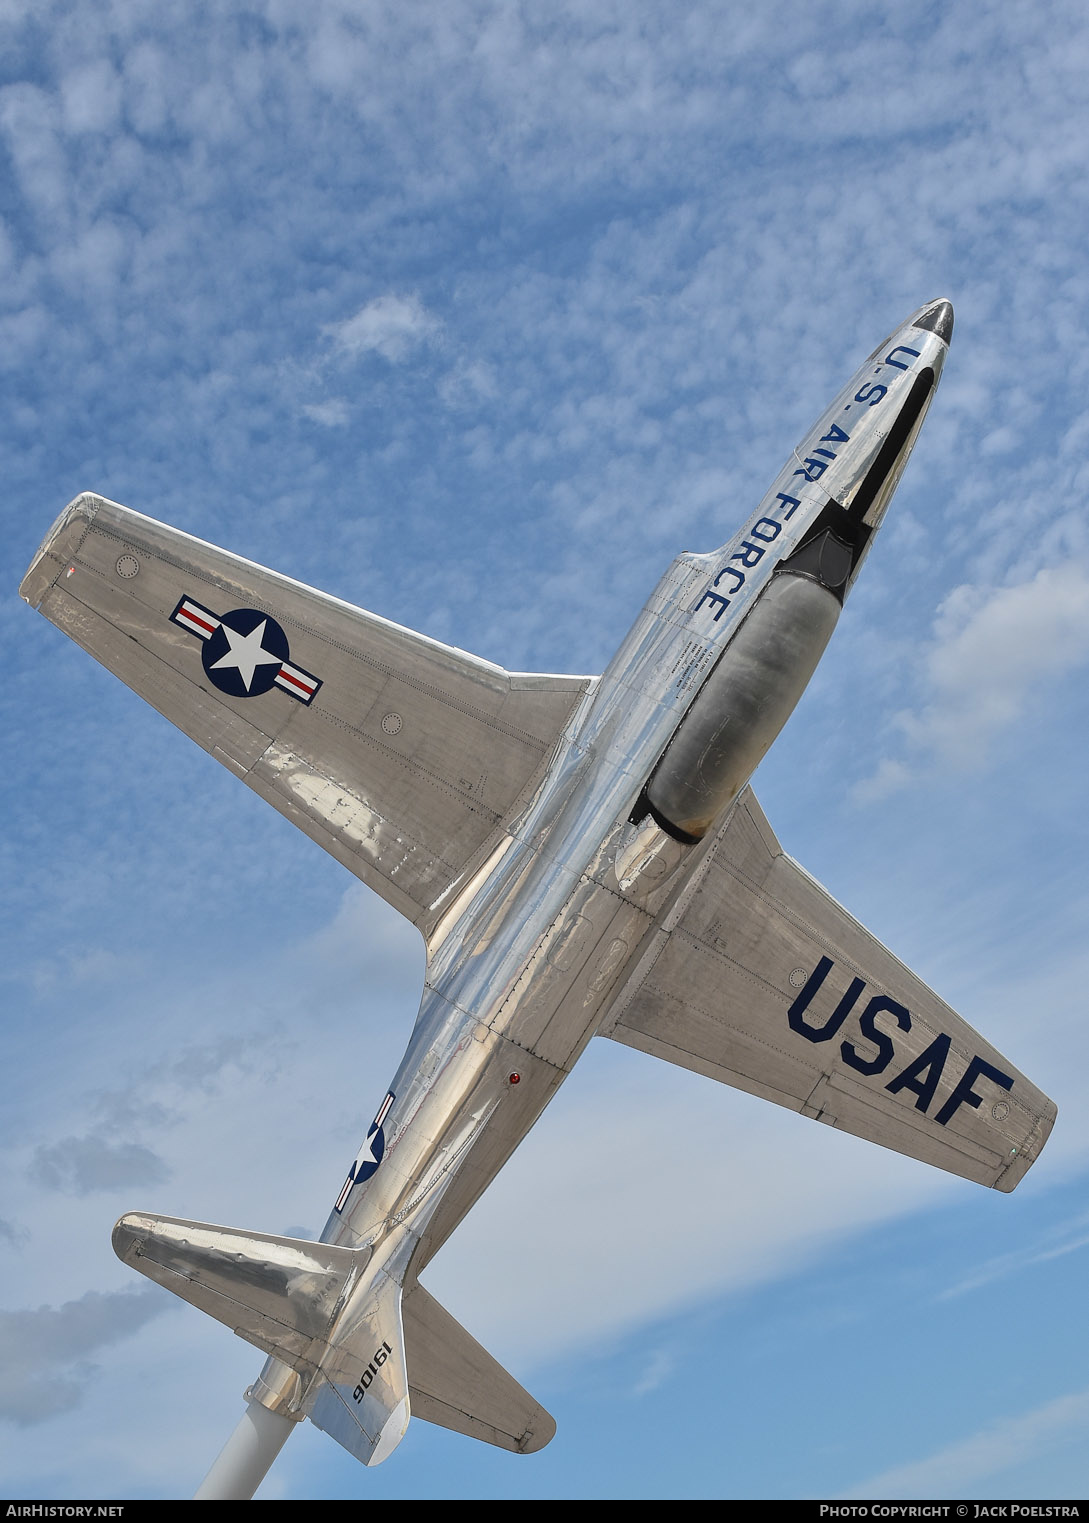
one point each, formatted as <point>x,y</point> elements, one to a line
<point>583,857</point>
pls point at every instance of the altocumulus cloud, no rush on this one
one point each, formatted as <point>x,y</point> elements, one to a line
<point>332,414</point>
<point>389,325</point>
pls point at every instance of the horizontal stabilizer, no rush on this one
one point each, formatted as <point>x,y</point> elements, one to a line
<point>280,1293</point>
<point>327,1312</point>
<point>456,1383</point>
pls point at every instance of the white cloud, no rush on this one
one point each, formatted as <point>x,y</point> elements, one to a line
<point>389,325</point>
<point>92,262</point>
<point>1011,1263</point>
<point>659,1367</point>
<point>467,384</point>
<point>992,653</point>
<point>28,122</point>
<point>91,97</point>
<point>147,79</point>
<point>332,414</point>
<point>958,1468</point>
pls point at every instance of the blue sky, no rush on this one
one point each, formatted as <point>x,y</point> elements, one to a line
<point>476,314</point>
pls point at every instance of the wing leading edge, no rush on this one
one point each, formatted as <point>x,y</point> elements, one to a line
<point>758,978</point>
<point>397,754</point>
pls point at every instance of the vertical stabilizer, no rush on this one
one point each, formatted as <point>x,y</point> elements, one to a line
<point>362,1399</point>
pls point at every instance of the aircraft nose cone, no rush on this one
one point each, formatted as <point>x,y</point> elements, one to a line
<point>936,318</point>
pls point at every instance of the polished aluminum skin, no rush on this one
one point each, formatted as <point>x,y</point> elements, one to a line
<point>502,995</point>
<point>610,871</point>
<point>496,997</point>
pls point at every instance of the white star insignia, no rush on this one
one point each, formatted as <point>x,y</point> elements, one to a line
<point>246,652</point>
<point>366,1152</point>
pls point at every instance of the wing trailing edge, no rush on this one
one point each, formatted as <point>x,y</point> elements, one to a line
<point>757,977</point>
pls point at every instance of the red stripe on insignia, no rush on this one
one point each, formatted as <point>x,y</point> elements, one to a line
<point>307,687</point>
<point>187,613</point>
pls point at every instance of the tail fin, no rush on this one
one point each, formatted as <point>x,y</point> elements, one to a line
<point>312,1305</point>
<point>335,1316</point>
<point>362,1400</point>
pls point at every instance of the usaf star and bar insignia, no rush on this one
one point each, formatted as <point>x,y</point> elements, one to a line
<point>370,1155</point>
<point>245,652</point>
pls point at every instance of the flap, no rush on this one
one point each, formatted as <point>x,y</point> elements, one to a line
<point>397,754</point>
<point>758,978</point>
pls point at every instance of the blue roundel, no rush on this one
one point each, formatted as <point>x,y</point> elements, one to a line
<point>244,656</point>
<point>370,1155</point>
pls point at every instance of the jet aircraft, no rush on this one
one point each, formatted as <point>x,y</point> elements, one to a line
<point>582,855</point>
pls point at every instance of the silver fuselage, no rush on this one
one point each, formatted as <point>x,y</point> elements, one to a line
<point>534,942</point>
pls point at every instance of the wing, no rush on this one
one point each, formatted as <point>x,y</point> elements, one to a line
<point>399,755</point>
<point>758,978</point>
